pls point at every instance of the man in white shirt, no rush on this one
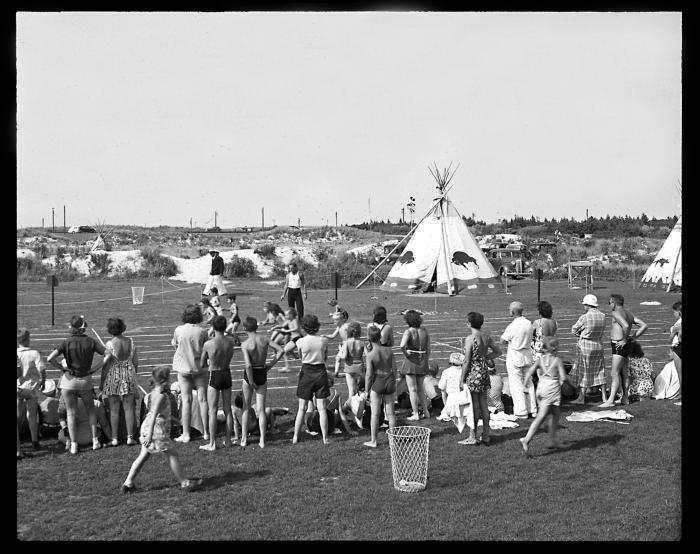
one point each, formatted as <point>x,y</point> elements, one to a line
<point>518,360</point>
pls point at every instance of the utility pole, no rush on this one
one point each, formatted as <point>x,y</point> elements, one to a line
<point>263,218</point>
<point>190,224</point>
<point>586,214</point>
<point>402,215</point>
<point>53,224</point>
<point>336,219</point>
<point>215,214</point>
<point>42,222</point>
<point>64,217</point>
<point>299,223</point>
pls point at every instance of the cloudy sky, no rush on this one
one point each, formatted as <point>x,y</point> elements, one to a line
<point>156,118</point>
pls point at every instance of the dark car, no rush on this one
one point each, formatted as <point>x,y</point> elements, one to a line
<point>86,229</point>
<point>514,261</point>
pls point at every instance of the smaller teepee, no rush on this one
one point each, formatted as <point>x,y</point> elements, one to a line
<point>665,270</point>
<point>103,232</point>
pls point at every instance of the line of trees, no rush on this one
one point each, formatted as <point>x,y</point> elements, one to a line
<point>608,226</point>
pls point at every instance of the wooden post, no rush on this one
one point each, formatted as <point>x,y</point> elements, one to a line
<point>336,280</point>
<point>539,278</point>
<point>64,217</point>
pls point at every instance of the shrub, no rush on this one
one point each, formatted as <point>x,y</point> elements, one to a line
<point>239,267</point>
<point>322,252</point>
<point>99,264</point>
<point>155,264</point>
<point>266,251</point>
<point>41,250</point>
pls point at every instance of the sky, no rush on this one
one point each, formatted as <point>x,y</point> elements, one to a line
<point>137,118</point>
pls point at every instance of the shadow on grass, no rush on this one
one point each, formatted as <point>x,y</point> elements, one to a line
<point>217,481</point>
<point>590,442</point>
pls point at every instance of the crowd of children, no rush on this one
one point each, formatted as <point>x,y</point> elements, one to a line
<point>467,392</point>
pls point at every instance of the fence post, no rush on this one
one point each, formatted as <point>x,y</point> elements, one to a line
<point>336,279</point>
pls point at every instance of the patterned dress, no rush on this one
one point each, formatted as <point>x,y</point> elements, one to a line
<point>478,378</point>
<point>160,440</point>
<point>641,378</point>
<point>537,345</point>
<point>121,375</point>
<point>589,370</point>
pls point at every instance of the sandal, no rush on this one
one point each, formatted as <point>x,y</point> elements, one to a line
<point>469,441</point>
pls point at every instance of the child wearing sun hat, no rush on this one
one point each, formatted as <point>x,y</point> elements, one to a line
<point>457,405</point>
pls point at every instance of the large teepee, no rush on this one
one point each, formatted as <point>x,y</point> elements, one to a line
<point>441,247</point>
<point>103,232</point>
<point>665,271</point>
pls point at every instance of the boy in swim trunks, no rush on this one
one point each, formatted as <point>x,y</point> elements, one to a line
<point>254,350</point>
<point>217,352</point>
<point>620,336</point>
<point>380,380</point>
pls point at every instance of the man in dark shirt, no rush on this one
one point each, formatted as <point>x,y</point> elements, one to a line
<point>216,274</point>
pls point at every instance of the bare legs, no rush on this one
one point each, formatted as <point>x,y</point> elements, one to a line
<point>619,381</point>
<point>213,404</point>
<point>70,397</point>
<point>139,462</point>
<point>376,400</point>
<point>127,401</point>
<point>322,416</point>
<point>480,409</point>
<point>542,413</point>
<point>416,393</point>
<point>351,379</point>
<point>186,399</point>
<point>187,383</point>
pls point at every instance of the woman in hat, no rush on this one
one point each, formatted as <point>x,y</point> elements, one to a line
<point>589,369</point>
<point>457,405</point>
<point>216,274</point>
<point>118,381</point>
<point>78,351</point>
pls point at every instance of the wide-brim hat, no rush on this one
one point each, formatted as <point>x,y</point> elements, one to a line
<point>590,300</point>
<point>49,387</point>
<point>457,358</point>
<point>212,250</point>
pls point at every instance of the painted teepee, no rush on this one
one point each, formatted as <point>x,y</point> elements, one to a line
<point>666,271</point>
<point>441,249</point>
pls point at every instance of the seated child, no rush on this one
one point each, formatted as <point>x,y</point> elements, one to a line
<point>455,409</point>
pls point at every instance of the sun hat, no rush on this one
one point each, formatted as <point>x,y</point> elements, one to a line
<point>590,300</point>
<point>174,387</point>
<point>49,387</point>
<point>456,358</point>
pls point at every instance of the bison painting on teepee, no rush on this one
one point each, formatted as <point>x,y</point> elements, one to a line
<point>441,250</point>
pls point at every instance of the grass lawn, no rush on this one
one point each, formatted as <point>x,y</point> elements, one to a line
<point>609,481</point>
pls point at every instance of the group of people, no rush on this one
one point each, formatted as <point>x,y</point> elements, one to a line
<point>206,341</point>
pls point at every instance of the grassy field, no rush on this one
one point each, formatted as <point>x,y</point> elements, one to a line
<point>609,481</point>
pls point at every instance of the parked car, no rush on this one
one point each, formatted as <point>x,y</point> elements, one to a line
<point>82,229</point>
<point>513,260</point>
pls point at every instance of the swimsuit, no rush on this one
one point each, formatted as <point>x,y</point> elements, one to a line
<point>620,349</point>
<point>548,389</point>
<point>220,379</point>
<point>259,376</point>
<point>384,383</point>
